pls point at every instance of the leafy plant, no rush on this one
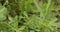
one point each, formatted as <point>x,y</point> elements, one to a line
<point>29,16</point>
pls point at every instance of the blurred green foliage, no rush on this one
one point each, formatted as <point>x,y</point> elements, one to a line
<point>29,16</point>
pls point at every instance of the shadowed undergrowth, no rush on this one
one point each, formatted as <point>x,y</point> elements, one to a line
<point>29,15</point>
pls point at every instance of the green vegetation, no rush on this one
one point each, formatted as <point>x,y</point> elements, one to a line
<point>29,15</point>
